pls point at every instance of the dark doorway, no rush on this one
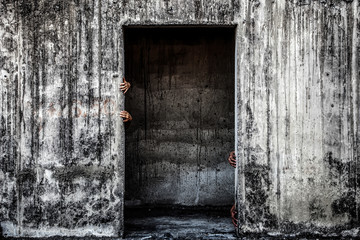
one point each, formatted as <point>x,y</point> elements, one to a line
<point>182,103</point>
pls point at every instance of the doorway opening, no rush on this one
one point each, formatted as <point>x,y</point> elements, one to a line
<point>182,104</point>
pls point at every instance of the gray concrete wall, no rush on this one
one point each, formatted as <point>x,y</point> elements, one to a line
<point>182,102</point>
<point>298,116</point>
<point>61,155</point>
<point>297,98</point>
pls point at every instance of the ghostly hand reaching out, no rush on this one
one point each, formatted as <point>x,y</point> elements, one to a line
<point>232,159</point>
<point>127,117</point>
<point>233,213</point>
<point>124,86</point>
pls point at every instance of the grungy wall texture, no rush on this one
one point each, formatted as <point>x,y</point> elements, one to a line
<point>297,112</point>
<point>182,102</point>
<point>9,133</point>
<point>61,171</point>
<point>298,140</point>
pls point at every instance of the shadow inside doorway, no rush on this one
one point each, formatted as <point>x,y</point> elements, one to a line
<point>182,103</point>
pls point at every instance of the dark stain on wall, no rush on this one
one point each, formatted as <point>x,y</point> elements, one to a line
<point>316,209</point>
<point>197,4</point>
<point>258,183</point>
<point>26,179</point>
<point>68,174</point>
<point>343,174</point>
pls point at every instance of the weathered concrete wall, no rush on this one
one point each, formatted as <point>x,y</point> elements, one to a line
<point>298,139</point>
<point>61,171</point>
<point>182,102</point>
<point>9,132</point>
<point>297,76</point>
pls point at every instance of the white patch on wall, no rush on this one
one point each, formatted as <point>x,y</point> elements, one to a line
<point>9,229</point>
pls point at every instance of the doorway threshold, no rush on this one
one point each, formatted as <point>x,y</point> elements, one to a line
<point>178,222</point>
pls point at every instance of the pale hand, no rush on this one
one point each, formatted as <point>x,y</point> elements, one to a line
<point>127,117</point>
<point>124,86</point>
<point>232,159</point>
<point>233,213</point>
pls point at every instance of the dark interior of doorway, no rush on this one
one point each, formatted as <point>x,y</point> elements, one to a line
<point>182,103</point>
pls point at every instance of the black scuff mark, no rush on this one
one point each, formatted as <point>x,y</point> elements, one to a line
<point>99,137</point>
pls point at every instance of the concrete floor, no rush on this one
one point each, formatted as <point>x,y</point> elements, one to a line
<point>178,223</point>
<point>174,222</point>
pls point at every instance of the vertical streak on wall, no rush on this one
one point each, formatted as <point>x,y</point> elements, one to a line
<point>355,66</point>
<point>120,142</point>
<point>239,180</point>
<point>240,73</point>
<point>9,132</point>
<point>19,114</point>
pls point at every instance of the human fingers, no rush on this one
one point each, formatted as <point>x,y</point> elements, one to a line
<point>231,161</point>
<point>232,209</point>
<point>123,114</point>
<point>233,218</point>
<point>126,89</point>
<point>126,116</point>
<point>234,222</point>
